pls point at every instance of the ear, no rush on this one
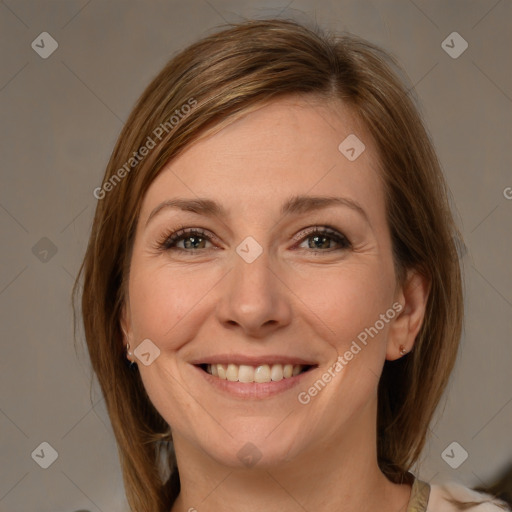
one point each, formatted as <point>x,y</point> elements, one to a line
<point>412,296</point>
<point>125,324</point>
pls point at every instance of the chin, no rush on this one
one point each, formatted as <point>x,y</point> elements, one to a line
<point>258,447</point>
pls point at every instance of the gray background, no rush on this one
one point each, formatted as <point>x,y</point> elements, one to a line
<point>60,119</point>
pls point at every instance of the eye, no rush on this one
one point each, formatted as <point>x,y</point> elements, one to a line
<point>193,239</point>
<point>318,239</point>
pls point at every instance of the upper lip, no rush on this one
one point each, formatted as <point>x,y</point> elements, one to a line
<point>240,359</point>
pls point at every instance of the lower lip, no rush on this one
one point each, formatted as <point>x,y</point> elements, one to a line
<point>255,390</point>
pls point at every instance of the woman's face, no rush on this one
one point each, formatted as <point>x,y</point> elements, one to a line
<point>282,258</point>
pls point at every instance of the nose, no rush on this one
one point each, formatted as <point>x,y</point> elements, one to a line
<point>254,298</point>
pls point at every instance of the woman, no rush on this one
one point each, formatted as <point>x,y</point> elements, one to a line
<point>273,253</point>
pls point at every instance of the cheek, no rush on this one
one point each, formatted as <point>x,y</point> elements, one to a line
<point>350,302</point>
<point>160,299</point>
<point>347,300</point>
<point>164,307</point>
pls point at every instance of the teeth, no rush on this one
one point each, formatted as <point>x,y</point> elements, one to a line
<point>232,373</point>
<point>296,370</point>
<point>245,373</point>
<point>276,372</point>
<point>221,369</point>
<point>260,374</point>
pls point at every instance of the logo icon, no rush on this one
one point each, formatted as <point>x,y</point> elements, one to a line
<point>147,352</point>
<point>460,247</point>
<point>454,455</point>
<point>44,45</point>
<point>44,250</point>
<point>249,454</point>
<point>45,455</point>
<point>249,249</point>
<point>454,45</point>
<point>351,147</point>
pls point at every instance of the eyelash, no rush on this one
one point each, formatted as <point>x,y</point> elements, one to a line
<point>167,242</point>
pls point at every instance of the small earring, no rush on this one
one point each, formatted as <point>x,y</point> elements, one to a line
<point>403,350</point>
<point>131,364</point>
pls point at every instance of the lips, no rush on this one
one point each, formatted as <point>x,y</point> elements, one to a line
<point>250,390</point>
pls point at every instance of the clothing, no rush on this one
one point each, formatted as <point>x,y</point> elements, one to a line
<point>434,498</point>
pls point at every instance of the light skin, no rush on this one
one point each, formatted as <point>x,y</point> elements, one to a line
<point>302,297</point>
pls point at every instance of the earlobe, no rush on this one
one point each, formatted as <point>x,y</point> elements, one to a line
<point>124,323</point>
<point>413,296</point>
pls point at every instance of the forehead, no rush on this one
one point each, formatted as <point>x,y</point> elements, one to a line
<point>287,147</point>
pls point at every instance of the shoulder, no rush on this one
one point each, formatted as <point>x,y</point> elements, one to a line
<point>441,496</point>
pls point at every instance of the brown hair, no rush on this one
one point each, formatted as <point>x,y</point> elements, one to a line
<point>222,77</point>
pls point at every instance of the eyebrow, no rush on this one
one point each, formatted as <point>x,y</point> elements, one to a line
<point>298,204</point>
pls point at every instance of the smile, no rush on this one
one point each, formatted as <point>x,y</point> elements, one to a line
<point>262,373</point>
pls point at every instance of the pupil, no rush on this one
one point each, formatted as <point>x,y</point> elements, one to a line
<point>195,239</point>
<point>316,238</point>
